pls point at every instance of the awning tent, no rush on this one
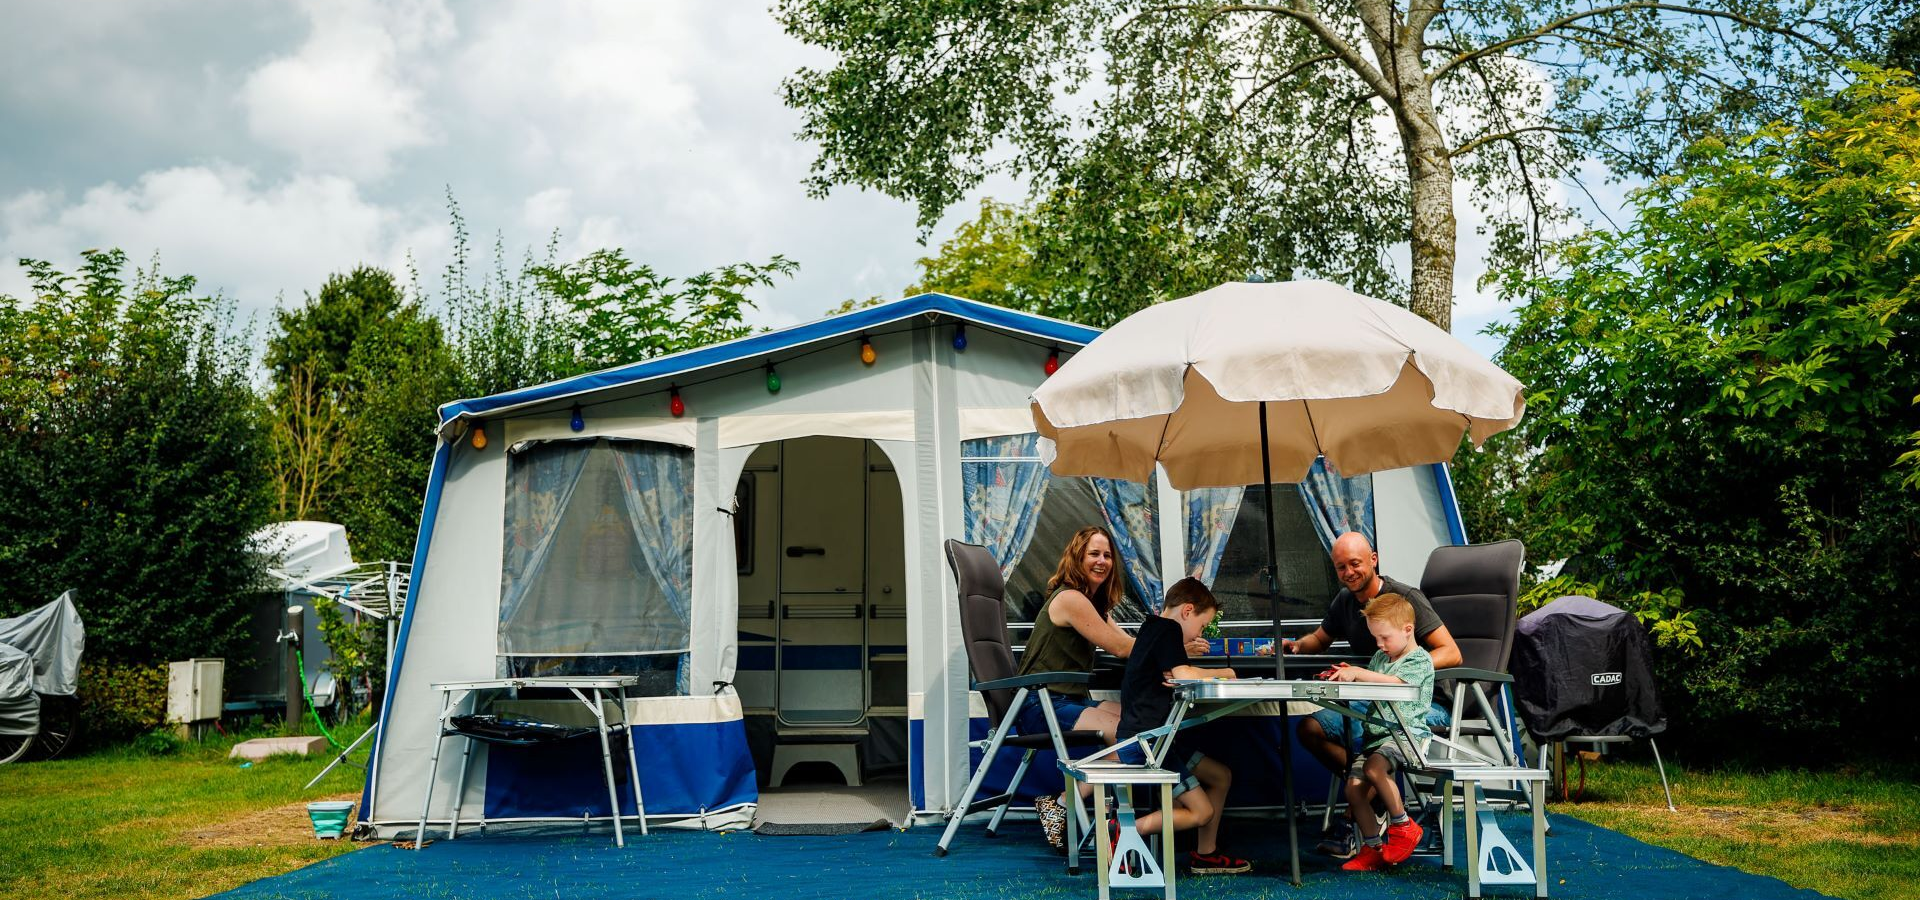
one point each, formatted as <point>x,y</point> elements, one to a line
<point>594,531</point>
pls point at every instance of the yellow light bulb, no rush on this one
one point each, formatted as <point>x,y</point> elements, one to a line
<point>866,352</point>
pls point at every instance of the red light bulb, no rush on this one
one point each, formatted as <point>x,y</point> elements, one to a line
<point>676,405</point>
<point>1053,362</point>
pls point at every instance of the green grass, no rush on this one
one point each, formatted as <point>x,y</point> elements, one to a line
<point>1851,833</point>
<point>118,823</point>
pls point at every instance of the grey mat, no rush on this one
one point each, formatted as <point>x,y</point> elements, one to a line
<point>824,828</point>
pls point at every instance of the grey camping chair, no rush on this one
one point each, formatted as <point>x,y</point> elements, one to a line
<point>1475,588</point>
<point>983,627</point>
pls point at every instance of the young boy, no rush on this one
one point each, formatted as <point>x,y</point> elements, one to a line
<point>1160,656</point>
<point>1400,660</point>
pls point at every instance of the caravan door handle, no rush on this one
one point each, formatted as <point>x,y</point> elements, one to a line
<point>806,551</point>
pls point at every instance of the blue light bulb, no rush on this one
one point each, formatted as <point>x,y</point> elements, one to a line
<point>578,423</point>
<point>959,337</point>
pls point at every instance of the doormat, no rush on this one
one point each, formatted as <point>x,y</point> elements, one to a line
<point>781,829</point>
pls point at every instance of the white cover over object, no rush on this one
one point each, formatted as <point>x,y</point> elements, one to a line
<point>1367,384</point>
<point>53,636</point>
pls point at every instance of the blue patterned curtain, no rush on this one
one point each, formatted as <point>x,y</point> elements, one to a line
<point>1210,516</point>
<point>658,481</point>
<point>1002,482</point>
<point>1337,505</point>
<point>539,487</point>
<point>1128,507</point>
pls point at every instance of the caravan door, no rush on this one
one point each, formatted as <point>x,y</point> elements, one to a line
<point>820,652</point>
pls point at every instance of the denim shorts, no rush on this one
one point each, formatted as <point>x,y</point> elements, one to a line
<point>1180,761</point>
<point>1350,732</point>
<point>1066,711</point>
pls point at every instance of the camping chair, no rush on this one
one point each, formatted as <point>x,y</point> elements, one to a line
<point>1475,588</point>
<point>983,626</point>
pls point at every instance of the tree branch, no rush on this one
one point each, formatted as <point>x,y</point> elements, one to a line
<point>1569,19</point>
<point>1291,71</point>
<point>1302,11</point>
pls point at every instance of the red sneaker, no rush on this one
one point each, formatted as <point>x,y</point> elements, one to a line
<point>1401,839</point>
<point>1367,860</point>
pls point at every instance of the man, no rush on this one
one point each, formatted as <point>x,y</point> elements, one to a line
<point>1328,735</point>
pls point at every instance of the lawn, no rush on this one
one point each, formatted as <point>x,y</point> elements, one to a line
<point>122,824</point>
<point>1852,833</point>
<point>119,823</point>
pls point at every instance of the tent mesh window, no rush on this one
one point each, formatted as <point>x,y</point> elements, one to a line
<point>598,562</point>
<point>1024,515</point>
<point>1307,582</point>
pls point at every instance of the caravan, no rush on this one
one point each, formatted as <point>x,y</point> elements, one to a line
<point>753,530</point>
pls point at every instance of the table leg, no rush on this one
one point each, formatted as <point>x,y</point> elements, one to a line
<point>606,764</point>
<point>1166,838</point>
<point>633,764</point>
<point>433,768</point>
<point>460,790</point>
<point>1286,787</point>
<point>1103,854</point>
<point>1446,824</point>
<point>1539,838</point>
<point>1472,789</point>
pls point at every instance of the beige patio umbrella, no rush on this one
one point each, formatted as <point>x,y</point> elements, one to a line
<point>1247,383</point>
<point>1190,384</point>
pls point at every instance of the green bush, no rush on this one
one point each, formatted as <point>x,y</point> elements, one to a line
<point>158,743</point>
<point>119,701</point>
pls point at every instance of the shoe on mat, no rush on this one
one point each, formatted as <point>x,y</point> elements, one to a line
<point>1369,859</point>
<point>1343,844</point>
<point>1401,839</point>
<point>1216,863</point>
<point>1053,821</point>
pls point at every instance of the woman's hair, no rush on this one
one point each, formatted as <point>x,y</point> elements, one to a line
<point>1072,571</point>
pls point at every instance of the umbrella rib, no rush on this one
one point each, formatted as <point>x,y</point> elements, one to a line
<point>1312,429</point>
<point>1167,421</point>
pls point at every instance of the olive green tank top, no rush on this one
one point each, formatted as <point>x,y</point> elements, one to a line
<point>1056,648</point>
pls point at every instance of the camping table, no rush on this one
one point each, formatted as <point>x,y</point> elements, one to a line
<point>1227,696</point>
<point>580,687</point>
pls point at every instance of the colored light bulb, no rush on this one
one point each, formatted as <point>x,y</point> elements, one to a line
<point>676,405</point>
<point>773,380</point>
<point>866,352</point>
<point>959,337</point>
<point>577,423</point>
<point>479,438</point>
<point>1053,362</point>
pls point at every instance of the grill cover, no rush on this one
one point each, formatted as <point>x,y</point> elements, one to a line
<point>1580,668</point>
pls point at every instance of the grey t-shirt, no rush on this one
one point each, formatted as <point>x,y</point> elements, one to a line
<point>1346,619</point>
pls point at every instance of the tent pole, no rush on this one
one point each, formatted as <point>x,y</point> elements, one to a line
<point>1279,653</point>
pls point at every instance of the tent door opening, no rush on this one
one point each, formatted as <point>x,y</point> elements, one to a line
<point>822,667</point>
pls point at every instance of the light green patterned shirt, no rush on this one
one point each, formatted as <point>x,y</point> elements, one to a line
<point>1415,668</point>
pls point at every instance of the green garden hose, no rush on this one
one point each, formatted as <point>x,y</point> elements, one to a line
<point>301,659</point>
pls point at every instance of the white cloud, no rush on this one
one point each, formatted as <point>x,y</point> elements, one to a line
<point>247,240</point>
<point>350,97</point>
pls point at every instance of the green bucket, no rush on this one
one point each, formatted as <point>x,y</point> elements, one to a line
<point>329,818</point>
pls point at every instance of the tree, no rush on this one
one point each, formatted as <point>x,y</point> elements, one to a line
<point>1285,139</point>
<point>618,312</point>
<point>357,371</point>
<point>132,460</point>
<point>1721,394</point>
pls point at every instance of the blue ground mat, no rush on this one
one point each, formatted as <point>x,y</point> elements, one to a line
<point>1586,861</point>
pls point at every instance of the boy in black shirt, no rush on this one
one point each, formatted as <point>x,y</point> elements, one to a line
<point>1160,656</point>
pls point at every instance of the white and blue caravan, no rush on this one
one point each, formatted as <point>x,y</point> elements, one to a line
<point>753,529</point>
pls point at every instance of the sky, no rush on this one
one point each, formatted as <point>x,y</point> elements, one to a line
<point>261,147</point>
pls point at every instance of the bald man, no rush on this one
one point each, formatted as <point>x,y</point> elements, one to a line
<point>1332,737</point>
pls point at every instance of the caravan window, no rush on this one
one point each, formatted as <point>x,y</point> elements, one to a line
<point>1025,515</point>
<point>598,562</point>
<point>1227,542</point>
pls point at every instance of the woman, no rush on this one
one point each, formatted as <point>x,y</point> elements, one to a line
<point>1077,617</point>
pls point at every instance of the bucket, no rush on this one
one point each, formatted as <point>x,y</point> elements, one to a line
<point>329,818</point>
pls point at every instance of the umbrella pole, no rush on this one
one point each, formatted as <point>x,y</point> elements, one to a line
<point>1279,655</point>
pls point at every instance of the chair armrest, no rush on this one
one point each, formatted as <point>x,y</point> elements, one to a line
<point>1036,678</point>
<point>1462,673</point>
